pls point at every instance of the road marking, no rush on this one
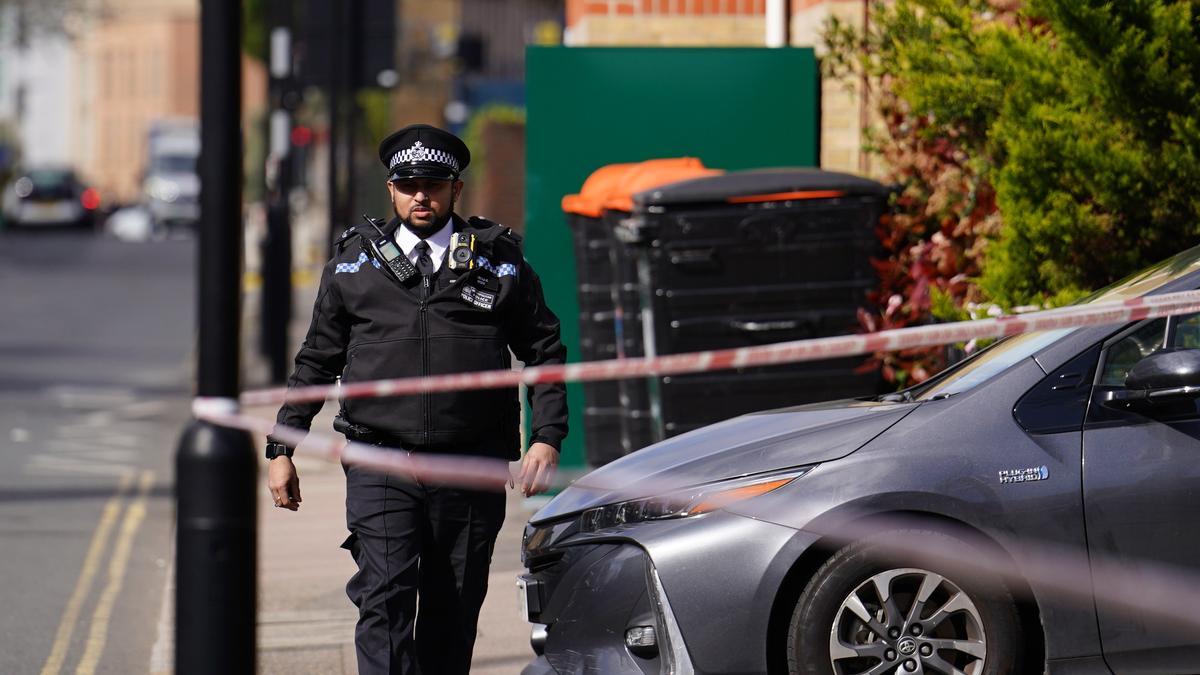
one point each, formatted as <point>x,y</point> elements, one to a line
<point>83,586</point>
<point>140,409</point>
<point>98,635</point>
<point>70,396</point>
<point>45,464</point>
<point>162,656</point>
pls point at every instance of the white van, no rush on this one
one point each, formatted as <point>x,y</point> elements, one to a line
<point>171,186</point>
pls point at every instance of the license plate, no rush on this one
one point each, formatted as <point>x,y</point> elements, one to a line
<point>46,210</point>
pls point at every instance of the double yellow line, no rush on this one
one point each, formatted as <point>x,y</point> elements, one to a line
<point>97,635</point>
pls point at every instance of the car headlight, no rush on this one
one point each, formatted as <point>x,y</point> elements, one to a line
<point>689,502</point>
<point>162,189</point>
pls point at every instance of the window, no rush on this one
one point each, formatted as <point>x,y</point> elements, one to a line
<point>1178,332</point>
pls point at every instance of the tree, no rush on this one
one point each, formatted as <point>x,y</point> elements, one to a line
<point>1099,152</point>
<point>1081,117</point>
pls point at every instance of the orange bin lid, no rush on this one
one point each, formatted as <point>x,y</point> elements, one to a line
<point>613,186</point>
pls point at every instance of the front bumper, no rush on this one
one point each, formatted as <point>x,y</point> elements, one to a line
<point>707,584</point>
<point>59,212</point>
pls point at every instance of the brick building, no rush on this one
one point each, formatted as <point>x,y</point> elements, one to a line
<point>137,61</point>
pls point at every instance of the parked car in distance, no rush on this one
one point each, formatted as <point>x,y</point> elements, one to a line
<point>1031,509</point>
<point>49,196</point>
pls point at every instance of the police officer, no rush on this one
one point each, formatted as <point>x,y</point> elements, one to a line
<point>426,293</point>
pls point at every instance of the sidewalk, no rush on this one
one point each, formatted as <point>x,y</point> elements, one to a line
<point>305,621</point>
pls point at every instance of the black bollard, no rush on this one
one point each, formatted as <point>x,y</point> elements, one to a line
<point>215,468</point>
<point>215,583</point>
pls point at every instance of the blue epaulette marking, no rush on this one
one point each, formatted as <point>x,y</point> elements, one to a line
<point>501,270</point>
<point>351,268</point>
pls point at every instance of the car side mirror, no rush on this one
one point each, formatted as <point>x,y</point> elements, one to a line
<point>1168,375</point>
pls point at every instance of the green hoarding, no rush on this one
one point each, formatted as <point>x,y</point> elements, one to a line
<point>734,108</point>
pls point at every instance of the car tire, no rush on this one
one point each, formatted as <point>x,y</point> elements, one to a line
<point>968,621</point>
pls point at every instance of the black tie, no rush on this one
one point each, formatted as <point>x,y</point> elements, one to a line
<point>424,262</point>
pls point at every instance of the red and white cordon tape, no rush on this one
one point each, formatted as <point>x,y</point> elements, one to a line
<point>1061,568</point>
<point>480,473</point>
<point>814,349</point>
<point>490,473</point>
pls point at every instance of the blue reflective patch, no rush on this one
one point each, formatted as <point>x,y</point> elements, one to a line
<point>503,270</point>
<point>351,268</point>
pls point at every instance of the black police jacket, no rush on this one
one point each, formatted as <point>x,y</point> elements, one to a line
<point>366,325</point>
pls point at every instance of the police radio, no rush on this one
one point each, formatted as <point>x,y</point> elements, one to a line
<point>387,251</point>
<point>462,252</point>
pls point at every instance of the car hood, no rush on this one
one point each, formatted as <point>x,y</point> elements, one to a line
<point>746,445</point>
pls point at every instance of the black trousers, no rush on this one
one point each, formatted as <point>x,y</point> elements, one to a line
<point>423,553</point>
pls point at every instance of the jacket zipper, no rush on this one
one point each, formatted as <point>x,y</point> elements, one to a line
<point>425,403</point>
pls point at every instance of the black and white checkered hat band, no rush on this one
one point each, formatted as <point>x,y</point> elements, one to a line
<point>419,153</point>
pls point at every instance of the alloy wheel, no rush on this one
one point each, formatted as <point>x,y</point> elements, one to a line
<point>907,621</point>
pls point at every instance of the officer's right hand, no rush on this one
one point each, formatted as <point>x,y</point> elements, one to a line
<point>284,483</point>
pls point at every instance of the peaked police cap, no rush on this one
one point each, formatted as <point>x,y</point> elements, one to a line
<point>423,151</point>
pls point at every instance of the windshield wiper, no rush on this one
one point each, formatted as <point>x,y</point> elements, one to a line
<point>897,397</point>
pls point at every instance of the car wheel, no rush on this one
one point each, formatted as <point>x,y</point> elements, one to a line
<point>872,609</point>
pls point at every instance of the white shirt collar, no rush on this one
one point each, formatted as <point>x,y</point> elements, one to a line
<point>438,243</point>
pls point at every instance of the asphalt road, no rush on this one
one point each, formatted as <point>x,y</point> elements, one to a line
<point>96,344</point>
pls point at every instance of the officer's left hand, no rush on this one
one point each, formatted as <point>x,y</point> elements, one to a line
<point>537,469</point>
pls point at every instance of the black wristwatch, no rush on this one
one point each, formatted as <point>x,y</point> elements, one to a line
<point>276,449</point>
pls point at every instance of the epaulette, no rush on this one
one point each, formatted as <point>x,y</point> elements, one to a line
<point>491,230</point>
<point>340,243</point>
<point>512,235</point>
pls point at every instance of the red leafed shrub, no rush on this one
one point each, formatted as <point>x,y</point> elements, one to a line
<point>933,237</point>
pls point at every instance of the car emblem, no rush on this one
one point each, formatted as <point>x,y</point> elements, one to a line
<point>1024,475</point>
<point>907,646</point>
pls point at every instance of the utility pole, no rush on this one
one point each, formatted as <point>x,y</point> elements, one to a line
<point>345,46</point>
<point>346,57</point>
<point>216,471</point>
<point>338,91</point>
<point>276,246</point>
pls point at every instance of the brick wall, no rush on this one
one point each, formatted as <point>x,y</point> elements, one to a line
<point>844,112</point>
<point>145,67</point>
<point>676,31</point>
<point>495,182</point>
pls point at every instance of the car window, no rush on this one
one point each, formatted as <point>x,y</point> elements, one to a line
<point>1007,351</point>
<point>1148,338</point>
<point>1127,351</point>
<point>995,359</point>
<point>50,179</point>
<point>174,164</point>
<point>1186,332</point>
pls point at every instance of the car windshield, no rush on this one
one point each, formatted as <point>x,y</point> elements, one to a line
<point>45,178</point>
<point>1004,353</point>
<point>174,164</point>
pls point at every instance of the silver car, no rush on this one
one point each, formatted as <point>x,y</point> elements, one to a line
<point>1032,509</point>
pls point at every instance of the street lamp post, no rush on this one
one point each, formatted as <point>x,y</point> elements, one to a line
<point>216,470</point>
<point>276,247</point>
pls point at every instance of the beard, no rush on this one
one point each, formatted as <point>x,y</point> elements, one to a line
<point>425,230</point>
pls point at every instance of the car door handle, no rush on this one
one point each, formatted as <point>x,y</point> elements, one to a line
<point>696,259</point>
<point>764,326</point>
